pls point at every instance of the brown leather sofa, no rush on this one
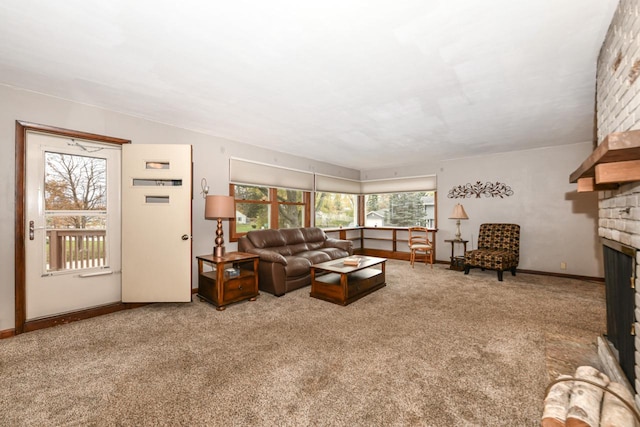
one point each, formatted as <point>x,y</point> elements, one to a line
<point>286,255</point>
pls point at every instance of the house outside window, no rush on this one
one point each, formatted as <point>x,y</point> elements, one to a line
<point>405,209</point>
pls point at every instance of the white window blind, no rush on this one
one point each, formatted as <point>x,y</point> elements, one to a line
<point>397,185</point>
<point>253,173</point>
<point>332,184</point>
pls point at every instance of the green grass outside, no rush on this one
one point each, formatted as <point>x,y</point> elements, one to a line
<point>243,228</point>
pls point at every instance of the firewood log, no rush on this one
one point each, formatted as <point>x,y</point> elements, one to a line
<point>556,404</point>
<point>585,401</point>
<point>614,412</point>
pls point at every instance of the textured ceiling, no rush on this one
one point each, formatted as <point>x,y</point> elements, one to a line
<point>360,83</point>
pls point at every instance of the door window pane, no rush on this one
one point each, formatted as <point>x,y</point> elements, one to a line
<point>75,182</point>
<point>157,165</point>
<point>142,182</point>
<point>75,242</point>
<point>75,200</point>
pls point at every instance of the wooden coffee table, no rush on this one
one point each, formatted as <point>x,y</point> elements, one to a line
<point>343,284</point>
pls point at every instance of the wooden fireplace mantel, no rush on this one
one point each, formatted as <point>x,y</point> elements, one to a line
<point>615,161</point>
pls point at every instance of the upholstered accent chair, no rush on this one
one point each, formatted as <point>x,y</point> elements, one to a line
<point>498,249</point>
<point>419,243</point>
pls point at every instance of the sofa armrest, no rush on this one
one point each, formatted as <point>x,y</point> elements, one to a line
<point>269,256</point>
<point>345,245</point>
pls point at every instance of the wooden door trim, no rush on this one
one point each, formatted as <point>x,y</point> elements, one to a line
<point>22,127</point>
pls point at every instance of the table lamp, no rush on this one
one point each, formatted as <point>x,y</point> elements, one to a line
<point>218,207</point>
<point>458,214</point>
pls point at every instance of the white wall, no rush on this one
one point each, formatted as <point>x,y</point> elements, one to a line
<point>557,223</point>
<point>210,154</point>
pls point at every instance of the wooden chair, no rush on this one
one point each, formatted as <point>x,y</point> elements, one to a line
<point>498,249</point>
<point>419,243</point>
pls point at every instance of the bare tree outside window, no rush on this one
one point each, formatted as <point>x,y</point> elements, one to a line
<point>75,199</point>
<point>75,183</point>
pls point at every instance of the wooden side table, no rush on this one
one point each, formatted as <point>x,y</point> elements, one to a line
<point>457,262</point>
<point>227,279</point>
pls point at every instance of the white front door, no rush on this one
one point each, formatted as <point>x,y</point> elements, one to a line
<point>156,223</point>
<point>72,225</point>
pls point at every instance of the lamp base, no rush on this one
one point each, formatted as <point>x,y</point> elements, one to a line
<point>218,251</point>
<point>458,234</point>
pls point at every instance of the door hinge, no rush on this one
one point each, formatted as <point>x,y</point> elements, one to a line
<point>633,329</point>
<point>633,282</point>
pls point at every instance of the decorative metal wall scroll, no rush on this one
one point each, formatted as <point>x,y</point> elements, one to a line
<point>487,189</point>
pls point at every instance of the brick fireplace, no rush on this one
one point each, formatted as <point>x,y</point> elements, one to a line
<point>614,167</point>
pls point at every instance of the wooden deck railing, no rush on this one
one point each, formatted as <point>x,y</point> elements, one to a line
<point>72,249</point>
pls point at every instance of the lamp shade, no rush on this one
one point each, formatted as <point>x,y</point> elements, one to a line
<point>216,207</point>
<point>458,212</point>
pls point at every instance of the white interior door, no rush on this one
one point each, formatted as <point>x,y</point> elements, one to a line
<point>156,223</point>
<point>73,225</point>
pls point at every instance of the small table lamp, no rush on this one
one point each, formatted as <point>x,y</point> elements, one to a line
<point>218,207</point>
<point>458,214</point>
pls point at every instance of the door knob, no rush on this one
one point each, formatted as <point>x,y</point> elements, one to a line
<point>185,237</point>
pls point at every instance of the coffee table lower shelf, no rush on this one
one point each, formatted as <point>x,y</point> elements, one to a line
<point>345,288</point>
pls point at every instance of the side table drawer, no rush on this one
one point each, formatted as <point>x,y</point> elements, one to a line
<point>239,288</point>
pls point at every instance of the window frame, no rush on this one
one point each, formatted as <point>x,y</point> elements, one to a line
<point>308,210</point>
<point>435,206</point>
<point>273,203</point>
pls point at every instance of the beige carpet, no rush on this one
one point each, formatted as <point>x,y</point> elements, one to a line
<point>432,348</point>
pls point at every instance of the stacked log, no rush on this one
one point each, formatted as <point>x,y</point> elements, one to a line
<point>584,405</point>
<point>588,399</point>
<point>556,403</point>
<point>615,412</point>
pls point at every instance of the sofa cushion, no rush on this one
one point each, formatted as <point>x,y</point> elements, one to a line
<point>313,234</point>
<point>282,250</point>
<point>297,266</point>
<point>297,248</point>
<point>313,246</point>
<point>292,236</point>
<point>497,259</point>
<point>314,257</point>
<point>267,239</point>
<point>334,253</point>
